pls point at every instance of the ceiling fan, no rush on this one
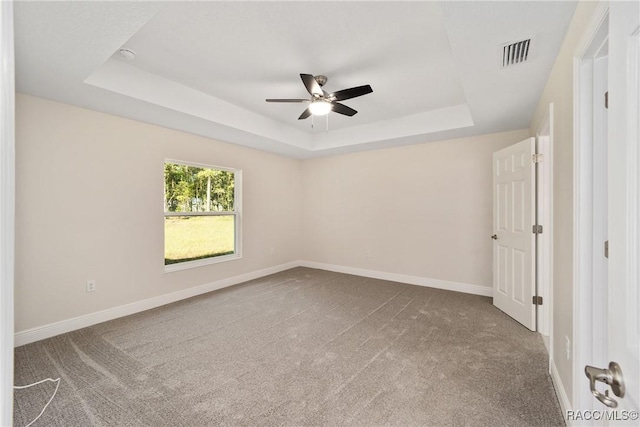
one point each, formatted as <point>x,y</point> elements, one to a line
<point>321,102</point>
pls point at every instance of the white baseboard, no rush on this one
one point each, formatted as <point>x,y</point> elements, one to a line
<point>486,291</point>
<point>57,328</point>
<point>64,326</point>
<point>565,404</point>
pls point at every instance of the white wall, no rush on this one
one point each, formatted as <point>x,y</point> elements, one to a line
<point>559,90</point>
<point>421,210</point>
<point>89,190</point>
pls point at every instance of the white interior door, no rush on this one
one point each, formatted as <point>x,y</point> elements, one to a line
<point>624,197</point>
<point>514,242</point>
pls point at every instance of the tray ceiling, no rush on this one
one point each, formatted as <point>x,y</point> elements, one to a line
<point>207,67</point>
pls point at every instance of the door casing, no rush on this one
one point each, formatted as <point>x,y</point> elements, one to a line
<point>544,247</point>
<point>7,209</point>
<point>589,325</point>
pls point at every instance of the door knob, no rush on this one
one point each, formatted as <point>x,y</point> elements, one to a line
<point>612,377</point>
<point>494,237</point>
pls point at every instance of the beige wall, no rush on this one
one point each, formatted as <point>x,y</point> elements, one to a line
<point>559,90</point>
<point>421,210</point>
<point>89,191</point>
<point>89,206</point>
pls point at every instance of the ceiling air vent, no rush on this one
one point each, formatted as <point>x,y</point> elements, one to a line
<point>515,53</point>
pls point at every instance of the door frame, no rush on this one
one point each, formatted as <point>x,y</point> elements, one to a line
<point>542,268</point>
<point>544,249</point>
<point>7,210</point>
<point>586,330</point>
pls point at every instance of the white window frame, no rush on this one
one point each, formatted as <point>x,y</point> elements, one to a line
<point>237,213</point>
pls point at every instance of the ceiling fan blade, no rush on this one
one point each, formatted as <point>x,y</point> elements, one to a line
<point>306,113</point>
<point>287,100</point>
<point>353,92</point>
<point>311,84</point>
<point>343,109</point>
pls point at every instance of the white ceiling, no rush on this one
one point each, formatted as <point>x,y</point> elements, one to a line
<point>207,67</point>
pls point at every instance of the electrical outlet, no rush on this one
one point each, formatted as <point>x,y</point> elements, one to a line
<point>567,345</point>
<point>272,251</point>
<point>368,253</point>
<point>91,285</point>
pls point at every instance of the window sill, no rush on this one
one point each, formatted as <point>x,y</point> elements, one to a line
<point>170,268</point>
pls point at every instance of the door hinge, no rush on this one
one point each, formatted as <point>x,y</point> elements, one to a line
<point>606,100</point>
<point>537,229</point>
<point>537,300</point>
<point>606,249</point>
<point>536,158</point>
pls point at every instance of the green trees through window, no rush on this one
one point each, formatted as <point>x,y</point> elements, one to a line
<point>197,189</point>
<point>201,218</point>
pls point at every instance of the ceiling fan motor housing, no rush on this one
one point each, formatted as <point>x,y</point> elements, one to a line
<point>322,80</point>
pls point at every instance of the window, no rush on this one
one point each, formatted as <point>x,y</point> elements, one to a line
<point>201,214</point>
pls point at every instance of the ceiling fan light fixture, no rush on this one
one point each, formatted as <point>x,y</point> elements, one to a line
<point>320,108</point>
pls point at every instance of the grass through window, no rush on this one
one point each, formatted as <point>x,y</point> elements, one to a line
<point>197,237</point>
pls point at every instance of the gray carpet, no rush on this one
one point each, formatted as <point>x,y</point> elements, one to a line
<point>301,347</point>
